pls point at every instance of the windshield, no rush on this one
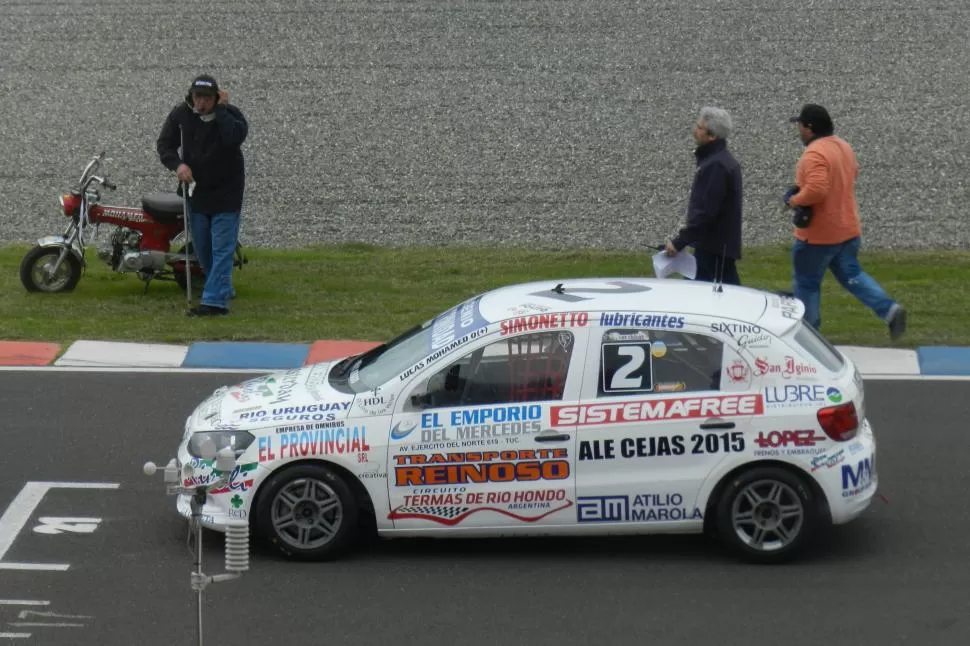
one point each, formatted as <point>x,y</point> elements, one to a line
<point>409,351</point>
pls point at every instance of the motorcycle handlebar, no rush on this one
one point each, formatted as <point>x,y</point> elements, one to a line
<point>103,182</point>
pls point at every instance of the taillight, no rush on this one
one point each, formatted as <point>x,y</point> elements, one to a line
<point>71,203</point>
<point>839,422</point>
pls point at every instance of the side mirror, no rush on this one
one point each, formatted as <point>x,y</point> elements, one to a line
<point>422,401</point>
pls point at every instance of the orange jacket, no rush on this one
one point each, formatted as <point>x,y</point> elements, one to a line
<point>826,175</point>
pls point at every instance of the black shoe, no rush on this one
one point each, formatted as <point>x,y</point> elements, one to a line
<point>897,324</point>
<point>207,310</point>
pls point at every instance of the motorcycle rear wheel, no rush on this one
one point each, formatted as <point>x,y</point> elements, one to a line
<point>198,279</point>
<point>198,276</point>
<point>34,269</point>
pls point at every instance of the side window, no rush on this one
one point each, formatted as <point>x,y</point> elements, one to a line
<point>654,361</point>
<point>526,368</point>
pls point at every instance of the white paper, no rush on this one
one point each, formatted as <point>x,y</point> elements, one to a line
<point>683,263</point>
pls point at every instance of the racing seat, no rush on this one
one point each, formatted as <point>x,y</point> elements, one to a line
<point>537,373</point>
<point>165,208</point>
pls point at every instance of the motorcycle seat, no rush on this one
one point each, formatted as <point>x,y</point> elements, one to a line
<point>163,207</point>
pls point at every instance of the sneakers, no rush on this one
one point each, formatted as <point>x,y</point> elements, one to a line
<point>207,310</point>
<point>897,322</point>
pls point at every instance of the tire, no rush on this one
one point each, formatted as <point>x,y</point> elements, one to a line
<point>767,515</point>
<point>285,494</point>
<point>33,270</point>
<point>198,280</point>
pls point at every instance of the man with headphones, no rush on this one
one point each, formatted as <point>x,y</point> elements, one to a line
<point>210,133</point>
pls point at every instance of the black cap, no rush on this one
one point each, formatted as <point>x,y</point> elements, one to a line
<point>814,117</point>
<point>204,84</point>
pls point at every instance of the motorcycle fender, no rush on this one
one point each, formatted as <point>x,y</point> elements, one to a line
<point>60,241</point>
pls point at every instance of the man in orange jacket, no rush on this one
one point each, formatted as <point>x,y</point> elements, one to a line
<point>825,187</point>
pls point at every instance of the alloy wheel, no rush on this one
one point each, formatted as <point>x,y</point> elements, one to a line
<point>767,515</point>
<point>306,513</point>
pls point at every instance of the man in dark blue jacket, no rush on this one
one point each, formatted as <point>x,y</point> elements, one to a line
<point>713,226</point>
<point>210,132</point>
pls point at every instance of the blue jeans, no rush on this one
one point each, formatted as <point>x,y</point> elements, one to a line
<point>810,261</point>
<point>214,237</point>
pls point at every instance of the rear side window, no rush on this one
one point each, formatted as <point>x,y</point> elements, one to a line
<point>818,346</point>
<point>638,361</point>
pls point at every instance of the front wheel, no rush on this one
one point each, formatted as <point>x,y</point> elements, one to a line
<point>35,270</point>
<point>307,512</point>
<point>767,515</point>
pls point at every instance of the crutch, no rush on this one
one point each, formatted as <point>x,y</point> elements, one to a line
<point>188,226</point>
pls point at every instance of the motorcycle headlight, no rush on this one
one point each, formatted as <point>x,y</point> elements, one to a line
<point>205,444</point>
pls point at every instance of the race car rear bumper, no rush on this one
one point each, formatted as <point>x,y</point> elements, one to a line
<point>852,486</point>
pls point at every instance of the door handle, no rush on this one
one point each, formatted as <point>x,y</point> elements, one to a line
<point>713,426</point>
<point>552,437</point>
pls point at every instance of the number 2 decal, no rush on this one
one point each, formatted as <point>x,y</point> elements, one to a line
<point>620,287</point>
<point>627,368</point>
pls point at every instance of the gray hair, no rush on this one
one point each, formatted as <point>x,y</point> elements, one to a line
<point>717,120</point>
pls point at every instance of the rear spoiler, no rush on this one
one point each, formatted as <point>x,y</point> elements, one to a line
<point>783,310</point>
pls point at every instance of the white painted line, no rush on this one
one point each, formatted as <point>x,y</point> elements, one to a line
<point>188,371</point>
<point>78,485</point>
<point>24,614</point>
<point>14,635</point>
<point>23,602</point>
<point>18,513</point>
<point>23,506</point>
<point>41,624</point>
<point>36,567</point>
<point>890,377</point>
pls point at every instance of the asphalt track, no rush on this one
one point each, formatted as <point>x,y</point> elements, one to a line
<point>896,576</point>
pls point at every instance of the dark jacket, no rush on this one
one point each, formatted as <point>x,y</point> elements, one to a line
<point>714,210</point>
<point>212,151</point>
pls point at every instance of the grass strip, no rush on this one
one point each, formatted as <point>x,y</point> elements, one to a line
<point>357,291</point>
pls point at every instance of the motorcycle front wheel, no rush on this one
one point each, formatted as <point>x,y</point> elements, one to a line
<point>35,270</point>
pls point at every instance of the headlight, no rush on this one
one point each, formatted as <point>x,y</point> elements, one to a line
<point>205,444</point>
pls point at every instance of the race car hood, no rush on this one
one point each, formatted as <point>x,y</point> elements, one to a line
<point>294,396</point>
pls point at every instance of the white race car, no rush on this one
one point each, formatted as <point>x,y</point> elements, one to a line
<point>581,406</point>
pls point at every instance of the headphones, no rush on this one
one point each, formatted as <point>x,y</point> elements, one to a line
<point>204,83</point>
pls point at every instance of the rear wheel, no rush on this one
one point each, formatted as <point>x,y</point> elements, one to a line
<point>37,263</point>
<point>767,515</point>
<point>178,272</point>
<point>308,513</point>
<point>198,277</point>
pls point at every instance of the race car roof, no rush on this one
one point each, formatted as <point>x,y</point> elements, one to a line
<point>648,294</point>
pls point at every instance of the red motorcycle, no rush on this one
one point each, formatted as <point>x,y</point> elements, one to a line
<point>140,242</point>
